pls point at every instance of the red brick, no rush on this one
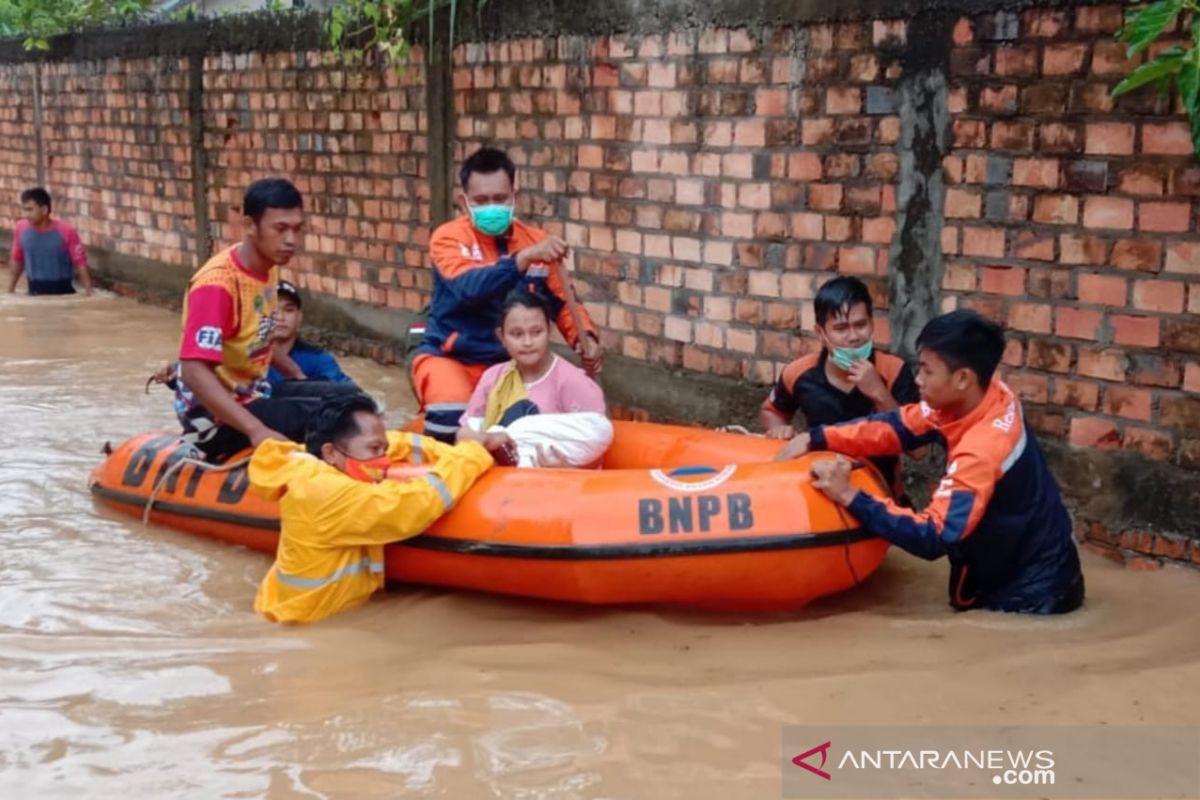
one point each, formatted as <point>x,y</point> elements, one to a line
<point>1031,388</point>
<point>804,166</point>
<point>1031,317</point>
<point>1014,353</point>
<point>1182,335</point>
<point>1063,59</point>
<point>843,100</point>
<point>959,277</point>
<point>772,102</point>
<point>970,133</point>
<point>1002,280</point>
<point>1124,401</point>
<point>1173,547</point>
<point>808,226</point>
<point>986,242</point>
<point>1164,217</point>
<point>1005,135</point>
<point>1076,323</point>
<point>1058,209</point>
<point>1183,257</point>
<point>1136,564</point>
<point>1016,61</point>
<point>856,260</point>
<point>1191,378</point>
<point>1135,331</point>
<point>1099,19</point>
<point>1152,444</point>
<point>999,100</point>
<point>891,31</point>
<point>825,196</point>
<point>1094,432</point>
<point>1141,179</point>
<point>1167,138</point>
<point>1151,369</point>
<point>1049,356</point>
<point>1108,212</point>
<point>949,240</point>
<point>1041,173</point>
<point>961,204</point>
<point>1108,290</point>
<point>1034,246</point>
<point>1076,394</point>
<point>864,68</point>
<point>1108,58</point>
<point>963,32</point>
<point>1039,24</point>
<point>879,230</point>
<point>1154,295</point>
<point>1102,364</point>
<point>1082,250</point>
<point>975,169</point>
<point>1058,137</point>
<point>1180,412</point>
<point>1110,138</point>
<point>1144,255</point>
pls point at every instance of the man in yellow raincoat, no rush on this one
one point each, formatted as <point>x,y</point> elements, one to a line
<point>337,511</point>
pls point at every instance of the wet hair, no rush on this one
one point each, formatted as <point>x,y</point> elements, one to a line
<point>336,421</point>
<point>270,193</point>
<point>523,298</point>
<point>485,161</point>
<point>964,339</point>
<point>38,195</point>
<point>840,295</point>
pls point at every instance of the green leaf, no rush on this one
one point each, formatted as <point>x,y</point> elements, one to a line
<point>1189,93</point>
<point>1162,67</point>
<point>1146,24</point>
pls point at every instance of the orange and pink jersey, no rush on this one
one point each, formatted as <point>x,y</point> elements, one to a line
<point>997,512</point>
<point>227,321</point>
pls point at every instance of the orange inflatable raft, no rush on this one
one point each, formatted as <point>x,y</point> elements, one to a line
<point>676,515</point>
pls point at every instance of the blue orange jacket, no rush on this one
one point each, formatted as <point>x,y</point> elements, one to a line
<point>997,513</point>
<point>472,273</point>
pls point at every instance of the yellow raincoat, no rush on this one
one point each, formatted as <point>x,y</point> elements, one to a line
<point>330,554</point>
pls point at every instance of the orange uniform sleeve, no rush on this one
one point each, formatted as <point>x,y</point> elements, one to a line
<point>957,506</point>
<point>888,434</point>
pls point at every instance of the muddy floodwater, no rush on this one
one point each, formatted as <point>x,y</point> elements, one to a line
<point>132,664</point>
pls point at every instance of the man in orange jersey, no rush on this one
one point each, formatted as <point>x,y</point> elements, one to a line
<point>222,395</point>
<point>848,379</point>
<point>477,260</point>
<point>997,513</point>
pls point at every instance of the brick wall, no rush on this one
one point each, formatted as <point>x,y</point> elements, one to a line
<point>1071,217</point>
<point>711,178</point>
<point>118,157</point>
<point>18,153</point>
<point>352,140</point>
<point>717,177</point>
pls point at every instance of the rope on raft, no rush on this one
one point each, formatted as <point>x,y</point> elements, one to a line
<point>176,467</point>
<point>742,429</point>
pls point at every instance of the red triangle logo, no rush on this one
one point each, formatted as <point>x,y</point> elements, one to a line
<point>823,749</point>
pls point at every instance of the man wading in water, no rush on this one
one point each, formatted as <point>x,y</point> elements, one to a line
<point>997,513</point>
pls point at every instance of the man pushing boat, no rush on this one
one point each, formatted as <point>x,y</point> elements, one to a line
<point>997,513</point>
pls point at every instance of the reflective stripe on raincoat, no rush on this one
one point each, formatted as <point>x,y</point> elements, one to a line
<point>333,528</point>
